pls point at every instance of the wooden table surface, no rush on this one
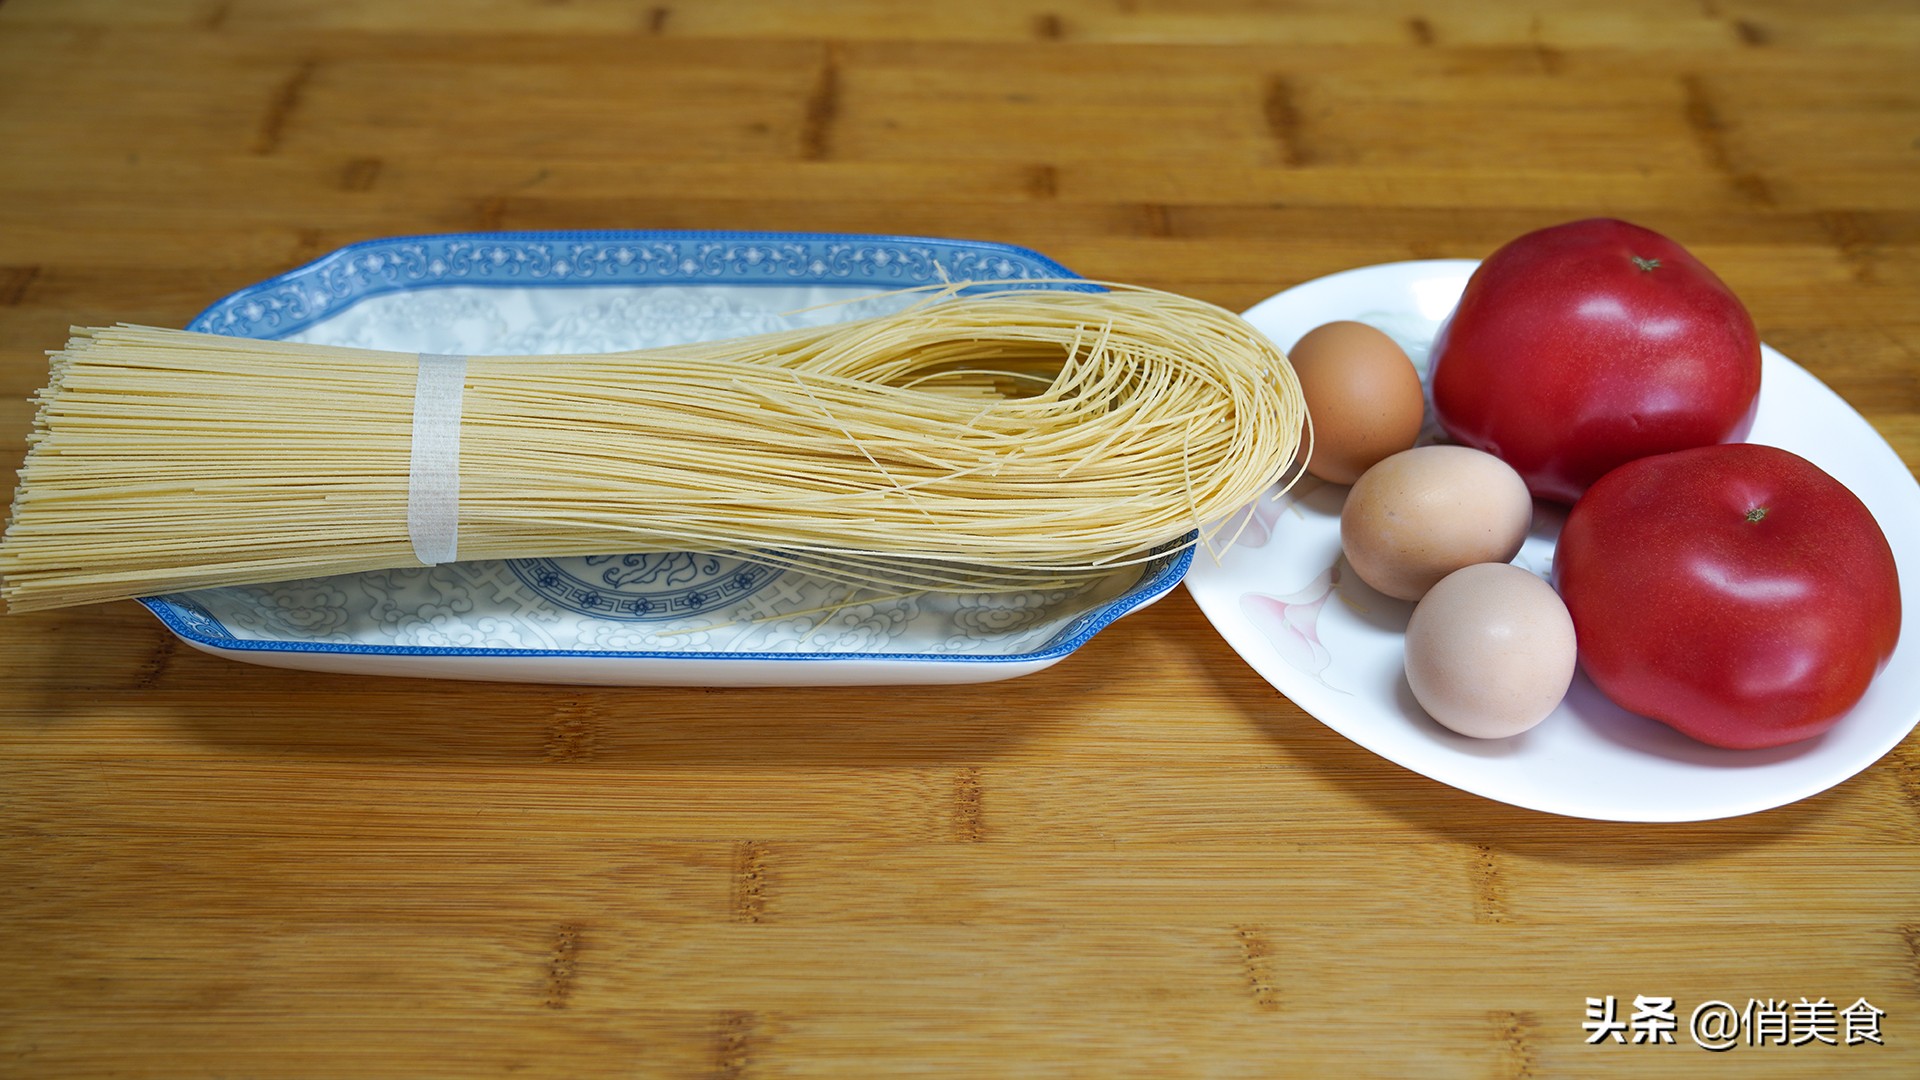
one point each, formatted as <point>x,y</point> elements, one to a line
<point>1141,862</point>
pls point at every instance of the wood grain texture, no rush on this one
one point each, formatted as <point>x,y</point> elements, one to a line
<point>1142,862</point>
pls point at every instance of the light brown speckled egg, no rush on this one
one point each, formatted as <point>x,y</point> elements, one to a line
<point>1490,651</point>
<point>1363,394</point>
<point>1423,513</point>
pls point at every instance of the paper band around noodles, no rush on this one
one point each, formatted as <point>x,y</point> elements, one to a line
<point>433,478</point>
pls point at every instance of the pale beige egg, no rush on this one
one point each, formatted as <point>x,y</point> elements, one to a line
<point>1423,513</point>
<point>1490,651</point>
<point>1363,395</point>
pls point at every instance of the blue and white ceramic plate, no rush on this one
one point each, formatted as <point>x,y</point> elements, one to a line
<point>665,619</point>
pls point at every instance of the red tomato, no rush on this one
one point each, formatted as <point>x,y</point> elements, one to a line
<point>1578,348</point>
<point>1737,593</point>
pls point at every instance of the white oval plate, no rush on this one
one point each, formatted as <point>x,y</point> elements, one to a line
<point>1284,600</point>
<point>670,619</point>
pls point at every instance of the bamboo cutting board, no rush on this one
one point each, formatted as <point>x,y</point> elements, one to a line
<point>1141,862</point>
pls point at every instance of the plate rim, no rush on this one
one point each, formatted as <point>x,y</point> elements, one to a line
<point>207,321</point>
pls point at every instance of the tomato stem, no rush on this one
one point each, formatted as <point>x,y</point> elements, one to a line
<point>1646,264</point>
<point>1756,513</point>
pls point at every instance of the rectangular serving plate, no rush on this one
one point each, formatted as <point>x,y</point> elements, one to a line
<point>690,619</point>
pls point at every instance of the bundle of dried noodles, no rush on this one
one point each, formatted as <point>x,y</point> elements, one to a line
<point>974,440</point>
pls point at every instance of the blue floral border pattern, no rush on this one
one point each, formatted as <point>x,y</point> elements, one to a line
<point>285,304</point>
<point>192,617</point>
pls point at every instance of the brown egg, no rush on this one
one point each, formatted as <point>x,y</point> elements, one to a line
<point>1424,513</point>
<point>1490,651</point>
<point>1363,395</point>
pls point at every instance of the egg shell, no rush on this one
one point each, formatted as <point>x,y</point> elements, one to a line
<point>1363,395</point>
<point>1490,651</point>
<point>1424,513</point>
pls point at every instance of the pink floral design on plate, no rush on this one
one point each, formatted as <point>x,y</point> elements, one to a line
<point>1291,623</point>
